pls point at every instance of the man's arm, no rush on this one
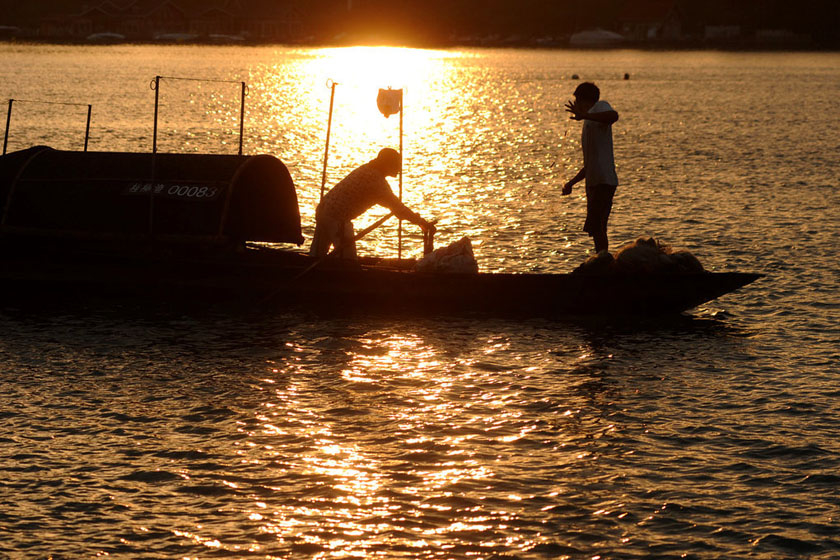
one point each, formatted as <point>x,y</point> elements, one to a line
<point>567,188</point>
<point>606,117</point>
<point>403,212</point>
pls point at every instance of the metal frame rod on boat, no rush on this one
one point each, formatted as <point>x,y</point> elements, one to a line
<point>8,120</point>
<point>242,115</point>
<point>9,117</point>
<point>87,126</point>
<point>155,85</point>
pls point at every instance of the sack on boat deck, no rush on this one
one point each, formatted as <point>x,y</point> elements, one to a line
<point>643,256</point>
<point>651,256</point>
<point>601,263</point>
<point>455,258</point>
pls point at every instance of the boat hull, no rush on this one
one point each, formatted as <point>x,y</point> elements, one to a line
<point>525,294</point>
<point>272,278</point>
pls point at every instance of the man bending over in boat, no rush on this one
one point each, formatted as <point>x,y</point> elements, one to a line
<point>598,161</point>
<point>363,188</point>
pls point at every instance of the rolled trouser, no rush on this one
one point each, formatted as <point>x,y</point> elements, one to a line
<point>599,201</point>
<point>333,233</point>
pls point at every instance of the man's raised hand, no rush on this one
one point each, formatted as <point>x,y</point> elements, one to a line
<point>571,107</point>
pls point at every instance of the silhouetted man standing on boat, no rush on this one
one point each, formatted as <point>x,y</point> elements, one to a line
<point>363,188</point>
<point>598,160</point>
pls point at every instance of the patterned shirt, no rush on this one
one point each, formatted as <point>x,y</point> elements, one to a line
<point>353,195</point>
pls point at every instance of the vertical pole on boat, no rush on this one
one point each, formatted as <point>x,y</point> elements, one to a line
<point>242,117</point>
<point>330,84</point>
<point>87,127</point>
<point>8,120</point>
<point>399,225</point>
<point>390,102</point>
<point>156,87</point>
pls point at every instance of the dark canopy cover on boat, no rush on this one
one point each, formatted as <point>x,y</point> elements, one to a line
<point>117,194</point>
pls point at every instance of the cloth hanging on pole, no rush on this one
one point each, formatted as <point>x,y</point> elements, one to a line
<point>389,101</point>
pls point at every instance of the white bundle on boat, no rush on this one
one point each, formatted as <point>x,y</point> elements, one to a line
<point>457,258</point>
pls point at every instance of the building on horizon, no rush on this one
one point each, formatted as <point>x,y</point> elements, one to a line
<point>255,20</point>
<point>651,20</point>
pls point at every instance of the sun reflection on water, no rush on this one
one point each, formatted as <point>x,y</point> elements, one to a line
<point>395,446</point>
<point>479,155</point>
<point>359,130</point>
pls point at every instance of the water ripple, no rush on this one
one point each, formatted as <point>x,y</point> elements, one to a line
<point>163,433</point>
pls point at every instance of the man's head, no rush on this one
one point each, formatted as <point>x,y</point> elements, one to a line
<point>587,94</point>
<point>389,162</point>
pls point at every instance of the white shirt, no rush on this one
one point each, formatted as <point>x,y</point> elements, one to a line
<point>597,146</point>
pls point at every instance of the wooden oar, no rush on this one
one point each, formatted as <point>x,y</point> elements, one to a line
<point>371,227</point>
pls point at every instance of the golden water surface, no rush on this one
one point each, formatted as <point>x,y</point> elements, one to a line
<point>160,434</point>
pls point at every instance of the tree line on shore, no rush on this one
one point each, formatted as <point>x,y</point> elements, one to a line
<point>435,21</point>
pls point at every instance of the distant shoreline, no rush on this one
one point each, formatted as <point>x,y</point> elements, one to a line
<point>723,46</point>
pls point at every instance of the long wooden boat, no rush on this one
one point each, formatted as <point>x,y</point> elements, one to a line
<point>187,226</point>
